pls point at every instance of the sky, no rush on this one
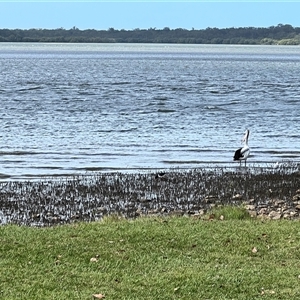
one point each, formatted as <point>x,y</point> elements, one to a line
<point>129,15</point>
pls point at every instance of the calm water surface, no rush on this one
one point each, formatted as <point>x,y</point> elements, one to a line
<point>81,108</point>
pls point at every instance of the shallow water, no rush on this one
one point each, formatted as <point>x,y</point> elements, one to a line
<point>82,108</point>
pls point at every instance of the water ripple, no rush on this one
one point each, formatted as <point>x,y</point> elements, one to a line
<point>64,112</point>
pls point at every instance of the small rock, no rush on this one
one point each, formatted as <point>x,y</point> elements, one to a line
<point>254,250</point>
<point>201,212</point>
<point>274,215</point>
<point>296,197</point>
<point>279,202</point>
<point>99,296</point>
<point>253,213</point>
<point>250,207</point>
<point>93,259</point>
<point>262,211</point>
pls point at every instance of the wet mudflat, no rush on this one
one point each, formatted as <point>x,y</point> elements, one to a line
<point>88,198</point>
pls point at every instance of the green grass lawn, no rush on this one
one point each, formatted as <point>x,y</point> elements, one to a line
<point>152,258</point>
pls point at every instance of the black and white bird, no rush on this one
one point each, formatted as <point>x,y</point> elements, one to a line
<point>243,152</point>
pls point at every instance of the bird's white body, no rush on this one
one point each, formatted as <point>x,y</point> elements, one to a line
<point>243,152</point>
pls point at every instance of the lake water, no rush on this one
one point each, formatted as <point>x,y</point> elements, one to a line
<point>81,108</point>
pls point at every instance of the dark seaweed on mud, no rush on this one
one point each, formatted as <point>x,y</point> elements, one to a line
<point>89,198</point>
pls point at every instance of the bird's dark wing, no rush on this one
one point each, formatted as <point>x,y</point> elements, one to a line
<point>237,154</point>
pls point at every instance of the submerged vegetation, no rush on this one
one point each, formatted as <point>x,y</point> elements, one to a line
<point>176,192</point>
<point>282,34</point>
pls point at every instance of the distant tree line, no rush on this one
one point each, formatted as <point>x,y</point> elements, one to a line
<point>280,34</point>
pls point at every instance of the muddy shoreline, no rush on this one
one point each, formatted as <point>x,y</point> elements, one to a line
<point>273,194</point>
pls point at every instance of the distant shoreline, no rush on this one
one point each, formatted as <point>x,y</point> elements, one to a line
<point>273,35</point>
